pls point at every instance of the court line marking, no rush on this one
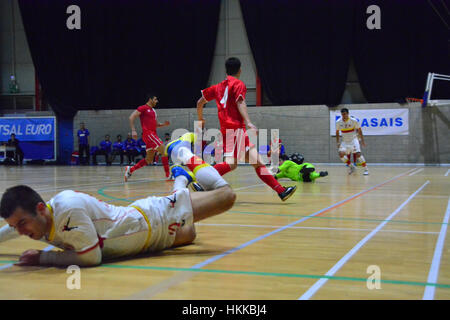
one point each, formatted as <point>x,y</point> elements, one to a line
<point>413,173</point>
<point>150,292</point>
<point>316,286</point>
<point>446,174</point>
<point>313,228</point>
<point>266,274</point>
<point>334,218</point>
<point>436,262</point>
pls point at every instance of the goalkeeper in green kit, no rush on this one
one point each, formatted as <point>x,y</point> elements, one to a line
<point>296,170</point>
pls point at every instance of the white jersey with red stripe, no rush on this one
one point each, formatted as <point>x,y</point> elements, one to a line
<point>348,129</point>
<point>82,222</point>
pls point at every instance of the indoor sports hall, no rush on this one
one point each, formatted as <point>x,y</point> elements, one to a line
<point>374,227</point>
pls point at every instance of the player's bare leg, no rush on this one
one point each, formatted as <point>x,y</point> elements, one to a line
<point>204,205</point>
<point>264,174</point>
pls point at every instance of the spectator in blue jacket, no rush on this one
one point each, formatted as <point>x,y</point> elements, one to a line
<point>83,144</point>
<point>130,148</point>
<point>105,149</point>
<point>117,149</point>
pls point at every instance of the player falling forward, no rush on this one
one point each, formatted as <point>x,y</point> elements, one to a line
<point>233,117</point>
<point>90,231</point>
<point>153,143</point>
<point>349,126</point>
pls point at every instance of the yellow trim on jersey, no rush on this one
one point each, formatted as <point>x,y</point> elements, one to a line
<point>200,166</point>
<point>147,241</point>
<point>348,130</point>
<point>51,236</point>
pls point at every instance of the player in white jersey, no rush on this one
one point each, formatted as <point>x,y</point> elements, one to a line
<point>89,230</point>
<point>350,127</point>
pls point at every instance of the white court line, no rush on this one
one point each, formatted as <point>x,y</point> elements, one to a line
<point>446,174</point>
<point>434,269</point>
<point>313,228</point>
<point>413,173</point>
<point>316,286</point>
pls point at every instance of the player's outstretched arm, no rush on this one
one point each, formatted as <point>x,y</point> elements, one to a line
<point>164,124</point>
<point>200,104</point>
<point>8,233</point>
<point>242,107</point>
<point>62,258</point>
<point>135,114</point>
<point>361,137</point>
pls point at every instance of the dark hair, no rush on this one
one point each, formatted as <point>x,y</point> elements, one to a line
<point>149,95</point>
<point>232,66</point>
<point>19,196</point>
<point>119,135</point>
<point>344,110</point>
<point>13,134</point>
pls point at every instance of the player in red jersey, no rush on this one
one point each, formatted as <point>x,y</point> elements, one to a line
<point>153,143</point>
<point>233,117</point>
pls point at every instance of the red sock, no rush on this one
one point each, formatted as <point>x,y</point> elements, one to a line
<point>222,168</point>
<point>138,165</point>
<point>165,162</point>
<point>194,162</point>
<point>268,179</point>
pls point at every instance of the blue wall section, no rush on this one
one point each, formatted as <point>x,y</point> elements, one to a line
<point>65,139</point>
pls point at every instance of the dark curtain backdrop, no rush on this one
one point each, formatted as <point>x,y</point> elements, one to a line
<point>124,49</point>
<point>392,63</point>
<point>301,48</point>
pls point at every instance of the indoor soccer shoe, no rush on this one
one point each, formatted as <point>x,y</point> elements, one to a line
<point>323,173</point>
<point>286,194</point>
<point>127,174</point>
<point>351,169</point>
<point>366,172</point>
<point>179,170</point>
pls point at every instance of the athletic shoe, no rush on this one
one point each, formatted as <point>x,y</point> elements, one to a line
<point>323,173</point>
<point>351,169</point>
<point>178,170</point>
<point>286,194</point>
<point>366,172</point>
<point>127,174</point>
<point>189,137</point>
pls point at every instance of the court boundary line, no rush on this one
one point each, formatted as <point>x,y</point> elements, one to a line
<point>312,228</point>
<point>316,286</point>
<point>436,262</point>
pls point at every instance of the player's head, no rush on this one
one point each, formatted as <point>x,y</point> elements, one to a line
<point>151,99</point>
<point>297,158</point>
<point>233,66</point>
<point>24,209</point>
<point>344,113</point>
<point>107,137</point>
<point>13,136</point>
<point>129,136</point>
<point>119,137</point>
<point>82,125</point>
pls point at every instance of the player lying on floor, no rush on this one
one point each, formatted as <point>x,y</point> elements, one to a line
<point>90,231</point>
<point>294,169</point>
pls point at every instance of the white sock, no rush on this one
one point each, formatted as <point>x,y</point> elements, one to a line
<point>181,153</point>
<point>180,183</point>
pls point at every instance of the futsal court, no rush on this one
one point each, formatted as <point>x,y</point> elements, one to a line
<point>323,243</point>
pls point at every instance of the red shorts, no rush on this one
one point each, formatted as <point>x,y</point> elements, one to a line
<point>235,143</point>
<point>151,140</point>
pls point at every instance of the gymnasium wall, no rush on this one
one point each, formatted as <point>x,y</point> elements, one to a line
<point>305,129</point>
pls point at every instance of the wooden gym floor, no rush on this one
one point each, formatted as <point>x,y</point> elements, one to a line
<point>323,243</point>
